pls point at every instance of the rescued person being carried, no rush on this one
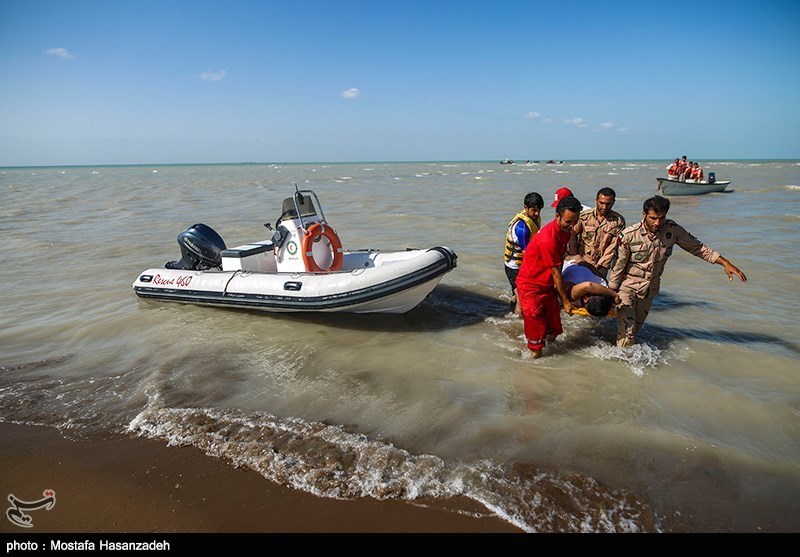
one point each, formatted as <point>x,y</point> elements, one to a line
<point>587,290</point>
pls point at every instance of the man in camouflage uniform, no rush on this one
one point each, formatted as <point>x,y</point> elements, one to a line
<point>594,238</point>
<point>642,253</point>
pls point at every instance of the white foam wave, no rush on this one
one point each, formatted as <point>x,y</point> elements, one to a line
<point>638,358</point>
<point>582,337</point>
<point>330,462</point>
<point>791,187</point>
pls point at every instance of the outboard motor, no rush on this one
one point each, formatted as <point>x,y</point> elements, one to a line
<point>201,249</point>
<point>712,177</point>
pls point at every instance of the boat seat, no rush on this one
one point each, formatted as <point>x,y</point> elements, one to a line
<point>256,257</point>
<point>247,250</point>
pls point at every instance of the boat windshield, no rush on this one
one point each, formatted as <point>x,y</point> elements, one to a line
<point>305,204</point>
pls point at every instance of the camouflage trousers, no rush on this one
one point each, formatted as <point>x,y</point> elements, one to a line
<point>631,315</point>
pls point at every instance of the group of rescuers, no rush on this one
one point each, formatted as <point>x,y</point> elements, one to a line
<point>683,171</point>
<point>587,257</point>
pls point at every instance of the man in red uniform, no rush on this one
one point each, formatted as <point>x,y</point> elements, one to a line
<point>539,283</point>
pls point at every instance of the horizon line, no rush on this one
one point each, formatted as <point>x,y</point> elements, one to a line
<point>432,161</point>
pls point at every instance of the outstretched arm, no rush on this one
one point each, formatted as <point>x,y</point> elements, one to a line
<point>730,269</point>
<point>593,289</point>
<point>694,246</point>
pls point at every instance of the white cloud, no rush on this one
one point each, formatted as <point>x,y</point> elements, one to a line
<point>351,93</point>
<point>577,122</point>
<point>213,76</point>
<point>59,52</point>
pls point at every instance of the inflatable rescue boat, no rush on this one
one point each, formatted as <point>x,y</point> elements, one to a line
<point>301,268</point>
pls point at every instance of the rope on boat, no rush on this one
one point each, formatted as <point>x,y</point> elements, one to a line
<point>225,290</point>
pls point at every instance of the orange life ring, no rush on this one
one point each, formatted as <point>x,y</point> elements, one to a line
<point>312,235</point>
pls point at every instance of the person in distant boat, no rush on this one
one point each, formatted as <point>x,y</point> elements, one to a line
<point>687,171</point>
<point>681,170</point>
<point>587,290</point>
<point>594,238</point>
<point>697,172</point>
<point>539,282</point>
<point>520,230</point>
<point>672,170</point>
<point>642,253</point>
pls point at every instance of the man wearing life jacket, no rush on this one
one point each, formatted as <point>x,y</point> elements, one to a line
<point>681,170</point>
<point>687,173</point>
<point>520,230</point>
<point>697,173</point>
<point>672,170</point>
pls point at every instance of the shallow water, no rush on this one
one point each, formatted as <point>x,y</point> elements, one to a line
<point>694,429</point>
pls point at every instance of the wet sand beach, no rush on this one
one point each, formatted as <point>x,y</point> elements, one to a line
<point>137,485</point>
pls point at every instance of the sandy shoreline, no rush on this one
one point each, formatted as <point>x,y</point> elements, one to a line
<point>135,485</point>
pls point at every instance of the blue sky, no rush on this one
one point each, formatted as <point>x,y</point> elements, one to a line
<point>173,81</point>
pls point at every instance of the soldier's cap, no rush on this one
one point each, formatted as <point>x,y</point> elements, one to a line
<point>561,194</point>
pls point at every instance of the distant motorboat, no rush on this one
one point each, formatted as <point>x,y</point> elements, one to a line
<point>528,162</point>
<point>672,187</point>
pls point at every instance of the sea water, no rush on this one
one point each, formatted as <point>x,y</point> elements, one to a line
<point>696,428</point>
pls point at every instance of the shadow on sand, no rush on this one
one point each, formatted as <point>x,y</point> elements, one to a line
<point>665,301</point>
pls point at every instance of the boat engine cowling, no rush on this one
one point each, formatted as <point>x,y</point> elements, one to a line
<point>201,249</point>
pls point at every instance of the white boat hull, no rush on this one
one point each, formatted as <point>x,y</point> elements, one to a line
<point>674,187</point>
<point>369,281</point>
